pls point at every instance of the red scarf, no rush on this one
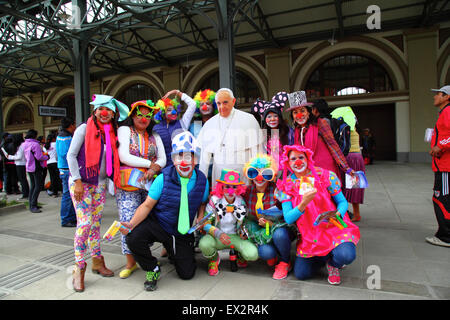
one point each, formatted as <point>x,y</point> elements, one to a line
<point>93,147</point>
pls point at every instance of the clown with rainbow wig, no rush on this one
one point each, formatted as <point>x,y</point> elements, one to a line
<point>269,232</point>
<point>223,228</point>
<point>167,123</point>
<point>311,198</point>
<point>206,108</point>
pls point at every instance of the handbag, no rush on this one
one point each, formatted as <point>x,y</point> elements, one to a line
<point>125,173</point>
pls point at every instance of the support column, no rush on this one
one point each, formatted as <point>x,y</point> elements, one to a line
<point>403,142</point>
<point>2,127</point>
<point>81,74</point>
<point>278,68</point>
<point>422,62</point>
<point>225,45</point>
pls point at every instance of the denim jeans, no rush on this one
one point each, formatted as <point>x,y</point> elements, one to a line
<point>280,246</point>
<point>67,210</point>
<point>344,253</point>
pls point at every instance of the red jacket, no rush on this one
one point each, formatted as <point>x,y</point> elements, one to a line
<point>441,138</point>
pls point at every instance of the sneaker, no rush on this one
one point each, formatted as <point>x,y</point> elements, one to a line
<point>272,262</point>
<point>151,278</point>
<point>437,242</point>
<point>69,225</point>
<point>213,266</point>
<point>35,210</point>
<point>241,262</point>
<point>281,270</point>
<point>333,275</point>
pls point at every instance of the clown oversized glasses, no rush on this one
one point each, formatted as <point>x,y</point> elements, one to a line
<point>267,174</point>
<point>140,115</point>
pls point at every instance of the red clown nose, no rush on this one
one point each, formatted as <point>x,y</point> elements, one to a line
<point>104,113</point>
<point>204,107</point>
<point>259,178</point>
<point>143,120</point>
<point>298,163</point>
<point>183,164</point>
<point>298,116</point>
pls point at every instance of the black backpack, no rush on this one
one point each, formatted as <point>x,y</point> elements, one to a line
<point>341,132</point>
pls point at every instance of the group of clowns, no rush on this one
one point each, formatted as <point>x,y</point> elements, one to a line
<point>289,198</point>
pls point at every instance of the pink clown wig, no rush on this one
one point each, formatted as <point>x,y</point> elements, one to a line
<point>220,186</point>
<point>284,163</point>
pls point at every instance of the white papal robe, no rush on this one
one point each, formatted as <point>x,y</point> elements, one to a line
<point>230,142</point>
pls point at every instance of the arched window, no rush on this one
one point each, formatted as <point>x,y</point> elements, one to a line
<point>19,114</point>
<point>67,102</point>
<point>246,88</point>
<point>136,92</point>
<point>348,74</point>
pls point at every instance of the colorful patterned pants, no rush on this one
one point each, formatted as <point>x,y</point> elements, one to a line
<point>127,203</point>
<point>89,216</point>
<point>210,246</point>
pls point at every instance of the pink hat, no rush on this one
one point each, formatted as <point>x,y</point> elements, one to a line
<point>297,99</point>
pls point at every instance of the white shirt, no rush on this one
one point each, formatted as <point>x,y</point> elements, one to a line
<point>19,157</point>
<point>53,158</point>
<point>124,134</point>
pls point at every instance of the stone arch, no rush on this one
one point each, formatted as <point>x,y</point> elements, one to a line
<point>369,47</point>
<point>9,107</point>
<point>207,67</point>
<point>127,80</point>
<point>443,66</point>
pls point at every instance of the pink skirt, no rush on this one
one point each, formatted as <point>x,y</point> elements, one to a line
<point>356,162</point>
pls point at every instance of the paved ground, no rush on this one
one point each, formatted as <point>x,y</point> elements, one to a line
<point>36,255</point>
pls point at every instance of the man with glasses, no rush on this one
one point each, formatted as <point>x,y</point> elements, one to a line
<point>269,232</point>
<point>166,217</point>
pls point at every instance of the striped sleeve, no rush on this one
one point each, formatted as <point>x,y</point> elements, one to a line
<point>327,135</point>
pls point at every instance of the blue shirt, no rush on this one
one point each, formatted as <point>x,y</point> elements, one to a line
<point>62,147</point>
<point>157,187</point>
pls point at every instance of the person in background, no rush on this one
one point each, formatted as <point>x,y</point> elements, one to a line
<point>11,185</point>
<point>42,141</point>
<point>35,159</point>
<point>206,108</point>
<point>19,160</point>
<point>52,166</point>
<point>63,140</point>
<point>320,109</point>
<point>440,153</point>
<point>368,146</point>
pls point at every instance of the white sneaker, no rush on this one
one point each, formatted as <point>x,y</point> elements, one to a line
<point>437,242</point>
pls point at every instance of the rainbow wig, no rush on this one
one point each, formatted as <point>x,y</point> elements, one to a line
<point>206,95</point>
<point>218,189</point>
<point>262,161</point>
<point>163,104</point>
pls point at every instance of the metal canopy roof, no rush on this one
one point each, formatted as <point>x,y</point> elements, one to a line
<point>122,36</point>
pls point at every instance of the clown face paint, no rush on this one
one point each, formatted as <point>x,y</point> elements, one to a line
<point>184,164</point>
<point>300,115</point>
<point>171,113</point>
<point>142,118</point>
<point>298,162</point>
<point>272,120</point>
<point>206,108</point>
<point>229,192</point>
<point>104,114</point>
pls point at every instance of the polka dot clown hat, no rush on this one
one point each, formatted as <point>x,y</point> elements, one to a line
<point>231,177</point>
<point>185,142</point>
<point>277,104</point>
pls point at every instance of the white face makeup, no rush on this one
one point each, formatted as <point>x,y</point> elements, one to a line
<point>184,163</point>
<point>206,108</point>
<point>301,115</point>
<point>260,183</point>
<point>298,162</point>
<point>272,120</point>
<point>229,192</point>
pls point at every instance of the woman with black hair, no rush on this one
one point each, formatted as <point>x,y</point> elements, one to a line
<point>35,159</point>
<point>19,161</point>
<point>272,121</point>
<point>142,149</point>
<point>52,166</point>
<point>92,158</point>
<point>315,134</point>
<point>11,180</point>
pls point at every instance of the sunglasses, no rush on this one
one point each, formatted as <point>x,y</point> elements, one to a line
<point>267,174</point>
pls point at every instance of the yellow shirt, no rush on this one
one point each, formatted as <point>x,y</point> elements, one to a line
<point>354,141</point>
